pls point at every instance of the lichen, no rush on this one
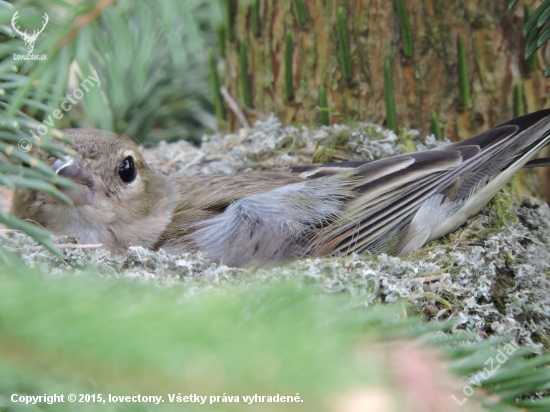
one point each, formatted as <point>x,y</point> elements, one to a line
<point>488,277</point>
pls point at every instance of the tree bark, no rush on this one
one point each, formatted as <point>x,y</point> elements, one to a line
<point>424,82</point>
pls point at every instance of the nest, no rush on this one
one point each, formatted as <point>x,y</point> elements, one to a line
<point>490,276</point>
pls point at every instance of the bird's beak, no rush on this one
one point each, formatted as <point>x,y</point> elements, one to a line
<point>73,169</point>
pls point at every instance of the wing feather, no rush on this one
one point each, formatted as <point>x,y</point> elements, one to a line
<point>394,204</point>
<point>388,203</point>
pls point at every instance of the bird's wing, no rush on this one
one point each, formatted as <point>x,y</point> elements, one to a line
<point>216,192</point>
<point>541,162</point>
<point>390,204</point>
<point>272,224</point>
<point>394,190</point>
<point>204,197</point>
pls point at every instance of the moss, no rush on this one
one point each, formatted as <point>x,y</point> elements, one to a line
<point>291,145</point>
<point>509,258</point>
<point>322,154</point>
<point>406,143</point>
<point>374,133</point>
<point>433,243</point>
<point>439,299</point>
<point>503,204</point>
<point>340,141</point>
<point>542,338</point>
<point>324,150</point>
<point>500,287</point>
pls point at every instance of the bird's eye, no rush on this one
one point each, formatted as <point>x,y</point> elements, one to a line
<point>127,170</point>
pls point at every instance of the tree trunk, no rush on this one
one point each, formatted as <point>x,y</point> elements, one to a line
<point>424,64</point>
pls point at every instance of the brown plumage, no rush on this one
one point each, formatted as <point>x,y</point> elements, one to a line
<point>393,205</point>
<point>205,196</point>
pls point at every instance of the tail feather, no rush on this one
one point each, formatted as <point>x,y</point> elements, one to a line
<point>391,192</point>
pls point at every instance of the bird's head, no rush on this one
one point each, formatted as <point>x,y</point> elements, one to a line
<point>118,200</point>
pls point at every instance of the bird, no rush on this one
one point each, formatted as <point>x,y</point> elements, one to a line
<point>394,205</point>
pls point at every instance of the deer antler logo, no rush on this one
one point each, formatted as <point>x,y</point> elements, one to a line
<point>29,39</point>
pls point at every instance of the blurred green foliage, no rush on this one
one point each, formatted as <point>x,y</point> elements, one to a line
<point>150,58</point>
<point>537,29</point>
<point>88,334</point>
